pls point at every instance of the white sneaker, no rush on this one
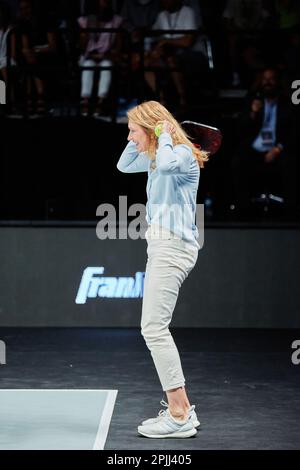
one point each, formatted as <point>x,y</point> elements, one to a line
<point>161,413</point>
<point>168,427</point>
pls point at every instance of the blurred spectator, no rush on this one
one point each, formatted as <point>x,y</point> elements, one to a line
<point>170,49</point>
<point>5,28</point>
<point>38,48</point>
<point>262,163</point>
<point>139,16</point>
<point>5,35</point>
<point>244,19</point>
<point>98,49</point>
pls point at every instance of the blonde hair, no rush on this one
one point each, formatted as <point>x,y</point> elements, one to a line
<point>151,113</point>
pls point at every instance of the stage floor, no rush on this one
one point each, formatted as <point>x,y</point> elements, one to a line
<point>242,381</point>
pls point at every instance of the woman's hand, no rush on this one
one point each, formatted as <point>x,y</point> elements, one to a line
<point>168,127</point>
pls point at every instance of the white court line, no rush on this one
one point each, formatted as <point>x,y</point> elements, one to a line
<point>55,390</point>
<point>105,420</point>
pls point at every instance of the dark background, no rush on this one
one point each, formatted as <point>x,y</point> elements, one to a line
<point>244,278</point>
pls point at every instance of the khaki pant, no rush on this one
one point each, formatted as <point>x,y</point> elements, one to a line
<point>169,263</point>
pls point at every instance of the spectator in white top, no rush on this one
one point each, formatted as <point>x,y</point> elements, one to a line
<point>5,35</point>
<point>5,28</point>
<point>168,48</point>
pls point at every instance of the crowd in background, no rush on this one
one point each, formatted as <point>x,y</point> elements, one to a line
<point>243,37</point>
<point>51,49</point>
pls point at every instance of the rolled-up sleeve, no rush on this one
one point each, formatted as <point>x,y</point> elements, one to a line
<point>172,160</point>
<point>131,161</point>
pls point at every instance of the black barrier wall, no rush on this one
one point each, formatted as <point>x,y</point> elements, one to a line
<point>243,278</point>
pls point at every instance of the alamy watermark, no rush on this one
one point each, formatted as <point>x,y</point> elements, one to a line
<point>296,354</point>
<point>175,218</point>
<point>2,353</point>
<point>296,94</point>
<point>2,92</point>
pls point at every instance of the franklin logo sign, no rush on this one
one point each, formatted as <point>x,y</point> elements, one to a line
<point>94,285</point>
<point>2,92</point>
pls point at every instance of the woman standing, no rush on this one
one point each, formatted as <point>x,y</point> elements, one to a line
<point>158,145</point>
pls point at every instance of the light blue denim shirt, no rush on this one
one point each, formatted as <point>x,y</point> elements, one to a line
<point>171,187</point>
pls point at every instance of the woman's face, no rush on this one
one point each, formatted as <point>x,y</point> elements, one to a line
<point>139,136</point>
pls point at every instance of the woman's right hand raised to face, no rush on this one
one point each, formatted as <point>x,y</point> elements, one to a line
<point>167,126</point>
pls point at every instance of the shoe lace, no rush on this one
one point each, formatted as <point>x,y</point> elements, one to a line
<point>161,413</point>
<point>164,403</point>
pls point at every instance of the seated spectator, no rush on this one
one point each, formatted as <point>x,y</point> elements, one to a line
<point>244,20</point>
<point>139,16</point>
<point>5,33</point>
<point>38,48</point>
<point>5,28</point>
<point>261,163</point>
<point>98,49</point>
<point>170,49</point>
